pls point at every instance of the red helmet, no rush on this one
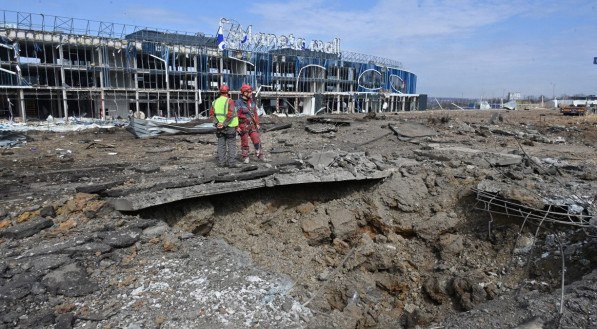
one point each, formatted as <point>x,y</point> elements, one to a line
<point>224,89</point>
<point>245,87</point>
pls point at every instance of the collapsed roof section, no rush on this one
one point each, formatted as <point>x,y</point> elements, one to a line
<point>148,35</point>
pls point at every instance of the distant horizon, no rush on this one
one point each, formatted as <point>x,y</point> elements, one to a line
<point>473,49</point>
<point>576,96</point>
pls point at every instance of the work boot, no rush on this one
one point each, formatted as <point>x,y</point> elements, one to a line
<point>261,156</point>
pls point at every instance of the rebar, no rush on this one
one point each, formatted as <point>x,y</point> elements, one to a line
<point>496,204</point>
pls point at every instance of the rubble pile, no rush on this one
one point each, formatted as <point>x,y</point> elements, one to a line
<point>430,219</point>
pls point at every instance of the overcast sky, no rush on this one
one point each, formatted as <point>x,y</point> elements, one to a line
<point>456,48</point>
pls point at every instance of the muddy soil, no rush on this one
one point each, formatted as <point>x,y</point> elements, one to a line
<point>416,249</point>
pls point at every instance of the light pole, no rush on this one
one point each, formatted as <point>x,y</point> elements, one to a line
<point>298,76</point>
<point>553,90</point>
<point>167,83</point>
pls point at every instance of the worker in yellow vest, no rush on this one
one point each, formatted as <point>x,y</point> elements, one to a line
<point>223,114</point>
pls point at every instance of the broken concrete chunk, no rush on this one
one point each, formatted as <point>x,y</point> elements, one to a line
<point>450,245</point>
<point>405,194</point>
<point>56,246</point>
<point>496,118</point>
<point>404,162</point>
<point>26,229</point>
<point>305,208</point>
<point>322,160</point>
<point>440,223</point>
<point>317,230</point>
<point>501,159</point>
<point>65,321</point>
<point>335,121</point>
<point>19,287</point>
<point>412,130</point>
<point>470,156</point>
<point>510,192</point>
<point>69,280</point>
<point>462,127</point>
<point>47,211</point>
<point>91,248</point>
<point>41,319</point>
<point>320,128</point>
<point>344,223</point>
<point>155,231</point>
<point>468,292</point>
<point>48,262</point>
<point>121,239</point>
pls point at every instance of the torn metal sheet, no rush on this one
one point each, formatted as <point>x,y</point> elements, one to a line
<point>147,128</point>
<point>11,139</point>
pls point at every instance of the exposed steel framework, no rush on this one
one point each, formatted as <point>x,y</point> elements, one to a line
<point>60,66</point>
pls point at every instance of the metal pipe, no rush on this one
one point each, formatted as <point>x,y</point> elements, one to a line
<point>167,84</point>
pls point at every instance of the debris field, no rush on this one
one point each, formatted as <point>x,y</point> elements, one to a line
<point>437,219</point>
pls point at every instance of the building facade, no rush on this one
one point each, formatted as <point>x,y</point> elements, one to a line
<point>60,66</point>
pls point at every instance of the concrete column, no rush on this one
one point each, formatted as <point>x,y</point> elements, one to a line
<point>102,105</point>
<point>353,102</point>
<point>195,64</point>
<point>136,82</point>
<point>64,103</point>
<point>62,78</point>
<point>22,109</point>
<point>338,77</point>
<point>158,104</point>
<point>222,70</point>
<point>392,99</point>
<point>167,94</point>
<point>102,85</point>
<point>403,100</point>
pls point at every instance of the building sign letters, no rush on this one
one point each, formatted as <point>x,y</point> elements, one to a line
<point>232,36</point>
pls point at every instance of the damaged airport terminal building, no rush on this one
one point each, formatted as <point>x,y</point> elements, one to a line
<point>60,66</point>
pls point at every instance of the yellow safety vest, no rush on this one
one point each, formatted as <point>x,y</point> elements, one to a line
<point>220,106</point>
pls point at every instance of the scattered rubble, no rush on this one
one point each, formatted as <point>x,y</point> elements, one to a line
<point>428,219</point>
